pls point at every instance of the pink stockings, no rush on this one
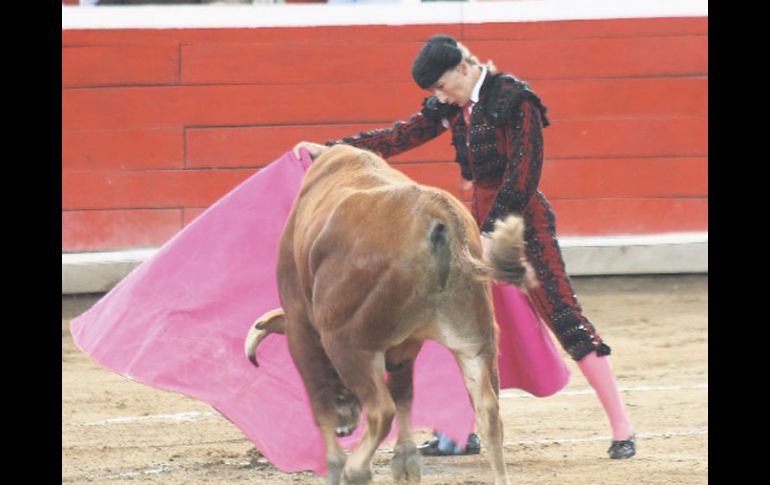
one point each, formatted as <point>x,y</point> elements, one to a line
<point>598,372</point>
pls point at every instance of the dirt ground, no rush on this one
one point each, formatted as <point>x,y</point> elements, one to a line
<point>117,431</point>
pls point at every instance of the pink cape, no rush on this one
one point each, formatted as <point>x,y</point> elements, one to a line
<point>178,322</point>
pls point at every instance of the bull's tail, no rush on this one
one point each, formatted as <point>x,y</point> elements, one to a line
<point>507,253</point>
<point>273,321</point>
<point>504,260</point>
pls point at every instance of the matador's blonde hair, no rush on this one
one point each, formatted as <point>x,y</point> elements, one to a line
<point>473,60</point>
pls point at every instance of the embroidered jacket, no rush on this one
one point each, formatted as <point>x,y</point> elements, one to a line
<point>502,147</point>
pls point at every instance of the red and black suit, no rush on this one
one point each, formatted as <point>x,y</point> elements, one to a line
<point>500,149</point>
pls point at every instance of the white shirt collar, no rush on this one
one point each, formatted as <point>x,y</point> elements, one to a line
<point>477,86</point>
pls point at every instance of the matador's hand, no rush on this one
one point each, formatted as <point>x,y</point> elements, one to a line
<point>313,148</point>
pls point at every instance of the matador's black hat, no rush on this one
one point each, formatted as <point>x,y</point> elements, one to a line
<point>439,54</point>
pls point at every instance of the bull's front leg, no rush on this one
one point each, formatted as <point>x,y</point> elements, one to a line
<point>335,455</point>
<point>322,385</point>
<point>363,373</point>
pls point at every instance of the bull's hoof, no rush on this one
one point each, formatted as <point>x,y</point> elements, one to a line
<point>348,409</point>
<point>333,477</point>
<point>406,464</point>
<point>357,477</point>
<point>343,431</point>
<point>334,467</point>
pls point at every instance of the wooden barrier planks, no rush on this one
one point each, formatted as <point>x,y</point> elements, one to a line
<point>159,123</point>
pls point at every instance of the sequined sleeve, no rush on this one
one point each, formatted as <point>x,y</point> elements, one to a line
<point>524,163</point>
<point>403,135</point>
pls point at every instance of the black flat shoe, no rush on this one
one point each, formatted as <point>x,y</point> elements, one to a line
<point>473,446</point>
<point>622,449</point>
<point>431,448</point>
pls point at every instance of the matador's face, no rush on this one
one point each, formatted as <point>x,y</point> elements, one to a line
<point>455,85</point>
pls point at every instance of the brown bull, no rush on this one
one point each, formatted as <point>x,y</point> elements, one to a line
<point>371,264</point>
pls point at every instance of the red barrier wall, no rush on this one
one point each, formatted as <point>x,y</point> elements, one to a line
<point>158,124</point>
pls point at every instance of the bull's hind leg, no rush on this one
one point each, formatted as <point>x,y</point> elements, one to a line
<point>363,372</point>
<point>325,391</point>
<point>406,464</point>
<point>480,375</point>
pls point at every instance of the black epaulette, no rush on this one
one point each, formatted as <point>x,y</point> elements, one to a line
<point>435,110</point>
<point>506,92</point>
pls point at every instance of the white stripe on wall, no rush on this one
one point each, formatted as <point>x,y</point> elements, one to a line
<point>408,13</point>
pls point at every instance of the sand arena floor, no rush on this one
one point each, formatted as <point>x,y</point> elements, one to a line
<point>117,431</point>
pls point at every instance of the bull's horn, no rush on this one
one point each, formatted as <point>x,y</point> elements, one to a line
<point>271,322</point>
